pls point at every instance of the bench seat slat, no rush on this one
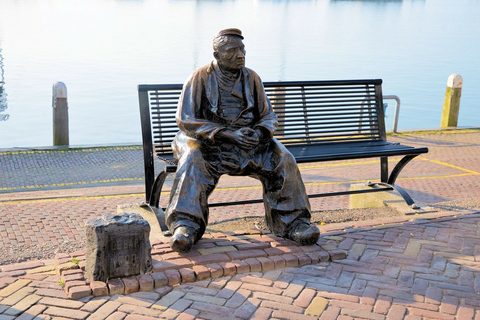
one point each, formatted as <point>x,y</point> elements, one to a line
<point>308,89</point>
<point>328,152</point>
<point>321,127</point>
<point>322,135</point>
<point>319,103</point>
<point>347,151</point>
<point>314,96</point>
<point>282,119</point>
<point>325,111</point>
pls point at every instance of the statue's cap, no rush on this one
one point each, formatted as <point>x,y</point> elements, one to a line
<point>229,32</point>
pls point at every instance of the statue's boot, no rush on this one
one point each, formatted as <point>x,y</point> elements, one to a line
<point>304,233</point>
<point>183,239</point>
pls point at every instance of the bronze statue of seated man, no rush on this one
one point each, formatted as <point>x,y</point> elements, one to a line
<point>226,127</point>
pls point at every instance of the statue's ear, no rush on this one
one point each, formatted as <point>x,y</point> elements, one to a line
<point>215,54</point>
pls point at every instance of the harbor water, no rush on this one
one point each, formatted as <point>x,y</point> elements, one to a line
<point>102,49</point>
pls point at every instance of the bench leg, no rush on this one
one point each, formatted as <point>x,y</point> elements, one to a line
<point>400,165</point>
<point>154,198</point>
<point>384,169</point>
<point>397,188</point>
<point>390,182</point>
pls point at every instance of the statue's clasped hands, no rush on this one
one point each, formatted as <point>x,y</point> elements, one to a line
<point>247,138</point>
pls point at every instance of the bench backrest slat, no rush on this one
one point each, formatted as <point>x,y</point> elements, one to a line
<point>309,112</point>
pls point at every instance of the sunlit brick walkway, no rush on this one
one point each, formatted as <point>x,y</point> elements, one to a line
<point>423,270</point>
<point>424,266</point>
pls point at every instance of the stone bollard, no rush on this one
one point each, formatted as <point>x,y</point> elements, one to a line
<point>451,104</point>
<point>117,246</point>
<point>60,114</point>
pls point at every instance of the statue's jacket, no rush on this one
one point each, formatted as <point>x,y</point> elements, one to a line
<point>198,109</point>
<point>202,159</point>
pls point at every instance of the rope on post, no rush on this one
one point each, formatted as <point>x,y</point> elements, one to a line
<point>451,104</point>
<point>60,114</point>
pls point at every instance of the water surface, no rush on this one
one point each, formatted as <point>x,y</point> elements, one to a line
<point>101,49</point>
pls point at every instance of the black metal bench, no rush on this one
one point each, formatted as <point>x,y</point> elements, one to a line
<point>318,121</point>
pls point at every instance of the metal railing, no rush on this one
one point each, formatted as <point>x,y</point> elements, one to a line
<point>397,111</point>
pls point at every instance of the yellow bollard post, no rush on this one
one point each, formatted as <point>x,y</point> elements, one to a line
<point>451,104</point>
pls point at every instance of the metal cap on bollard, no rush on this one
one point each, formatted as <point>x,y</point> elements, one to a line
<point>451,104</point>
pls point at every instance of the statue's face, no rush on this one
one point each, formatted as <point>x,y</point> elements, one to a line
<point>231,56</point>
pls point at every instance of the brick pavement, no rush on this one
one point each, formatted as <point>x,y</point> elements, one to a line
<point>426,269</point>
<point>412,267</point>
<point>450,171</point>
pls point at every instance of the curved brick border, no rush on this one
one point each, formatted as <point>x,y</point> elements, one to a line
<point>214,256</point>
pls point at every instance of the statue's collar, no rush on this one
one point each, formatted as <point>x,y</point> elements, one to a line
<point>222,72</point>
<point>212,87</point>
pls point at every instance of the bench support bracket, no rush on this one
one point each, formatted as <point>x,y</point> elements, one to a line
<point>397,188</point>
<point>154,199</point>
<point>400,165</point>
<point>156,192</point>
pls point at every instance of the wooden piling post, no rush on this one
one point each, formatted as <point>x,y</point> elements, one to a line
<point>60,114</point>
<point>451,104</point>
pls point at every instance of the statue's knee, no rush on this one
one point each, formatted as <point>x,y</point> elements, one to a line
<point>289,158</point>
<point>193,157</point>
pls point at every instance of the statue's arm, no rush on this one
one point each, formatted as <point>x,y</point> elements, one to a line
<point>190,116</point>
<point>267,123</point>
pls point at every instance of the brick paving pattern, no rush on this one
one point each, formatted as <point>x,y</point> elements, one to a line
<point>420,270</point>
<point>411,267</point>
<point>440,175</point>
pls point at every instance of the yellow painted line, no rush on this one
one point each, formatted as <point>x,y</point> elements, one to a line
<point>390,160</point>
<point>71,198</point>
<point>220,189</point>
<point>437,177</point>
<point>468,172</point>
<point>301,167</point>
<point>93,149</point>
<point>346,182</point>
<point>240,188</point>
<point>70,184</point>
<point>307,184</point>
<point>449,165</point>
<point>343,164</point>
<point>226,188</point>
<point>336,182</point>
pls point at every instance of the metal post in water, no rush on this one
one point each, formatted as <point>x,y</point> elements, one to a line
<point>451,104</point>
<point>60,114</point>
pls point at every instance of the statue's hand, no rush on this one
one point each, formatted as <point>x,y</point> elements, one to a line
<point>246,138</point>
